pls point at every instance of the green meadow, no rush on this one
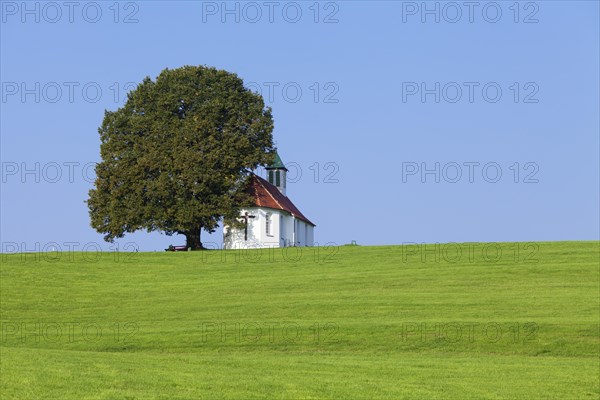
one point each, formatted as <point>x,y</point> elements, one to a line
<point>471,320</point>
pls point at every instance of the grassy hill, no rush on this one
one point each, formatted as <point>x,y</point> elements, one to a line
<point>506,320</point>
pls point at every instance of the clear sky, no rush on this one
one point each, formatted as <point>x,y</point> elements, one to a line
<point>402,121</point>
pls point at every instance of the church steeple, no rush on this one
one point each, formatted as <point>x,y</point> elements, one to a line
<point>276,174</point>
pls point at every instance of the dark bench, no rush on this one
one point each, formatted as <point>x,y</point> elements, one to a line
<point>177,248</point>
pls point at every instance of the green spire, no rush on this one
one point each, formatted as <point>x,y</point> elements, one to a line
<point>277,163</point>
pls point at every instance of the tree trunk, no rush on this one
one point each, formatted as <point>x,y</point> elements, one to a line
<point>192,240</point>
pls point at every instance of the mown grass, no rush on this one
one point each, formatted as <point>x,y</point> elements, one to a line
<point>349,322</point>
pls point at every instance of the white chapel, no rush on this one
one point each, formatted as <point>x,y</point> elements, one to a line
<point>273,221</point>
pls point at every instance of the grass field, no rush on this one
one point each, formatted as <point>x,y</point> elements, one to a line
<point>497,321</point>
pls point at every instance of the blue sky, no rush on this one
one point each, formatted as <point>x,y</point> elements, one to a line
<point>366,96</point>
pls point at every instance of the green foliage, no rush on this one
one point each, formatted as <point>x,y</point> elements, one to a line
<point>176,156</point>
<point>161,301</point>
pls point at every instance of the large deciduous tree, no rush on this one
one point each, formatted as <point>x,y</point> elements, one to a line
<point>176,156</point>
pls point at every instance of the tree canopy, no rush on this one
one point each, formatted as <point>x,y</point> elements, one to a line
<point>176,156</point>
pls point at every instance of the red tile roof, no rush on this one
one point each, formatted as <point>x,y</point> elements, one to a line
<point>267,195</point>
